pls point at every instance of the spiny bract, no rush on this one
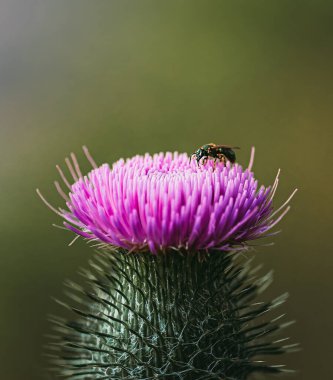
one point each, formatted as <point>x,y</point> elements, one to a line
<point>168,317</point>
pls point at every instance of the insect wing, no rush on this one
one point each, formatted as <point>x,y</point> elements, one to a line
<point>227,147</point>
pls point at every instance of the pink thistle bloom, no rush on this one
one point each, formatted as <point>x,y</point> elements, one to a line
<point>164,202</point>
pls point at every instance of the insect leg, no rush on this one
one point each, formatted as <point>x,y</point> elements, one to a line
<point>221,158</point>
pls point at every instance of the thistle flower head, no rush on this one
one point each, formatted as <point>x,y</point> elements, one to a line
<point>140,319</point>
<point>164,201</point>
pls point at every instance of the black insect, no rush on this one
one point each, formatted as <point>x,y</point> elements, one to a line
<point>222,153</point>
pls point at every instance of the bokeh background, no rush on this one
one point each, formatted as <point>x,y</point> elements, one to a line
<point>127,77</point>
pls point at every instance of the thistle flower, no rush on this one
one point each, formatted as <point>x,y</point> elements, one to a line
<point>188,311</point>
<point>165,201</point>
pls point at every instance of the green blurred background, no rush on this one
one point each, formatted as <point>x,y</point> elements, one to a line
<point>126,77</point>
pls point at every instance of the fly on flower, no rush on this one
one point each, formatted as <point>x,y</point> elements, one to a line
<point>221,153</point>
